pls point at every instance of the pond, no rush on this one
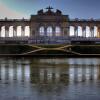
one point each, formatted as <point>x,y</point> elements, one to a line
<point>49,79</point>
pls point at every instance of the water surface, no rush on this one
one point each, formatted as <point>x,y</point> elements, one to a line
<point>50,79</point>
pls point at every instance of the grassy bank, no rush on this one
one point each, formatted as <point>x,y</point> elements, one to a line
<point>86,49</point>
<point>20,49</point>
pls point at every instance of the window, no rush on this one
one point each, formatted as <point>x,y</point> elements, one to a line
<point>58,31</point>
<point>41,30</point>
<point>49,31</point>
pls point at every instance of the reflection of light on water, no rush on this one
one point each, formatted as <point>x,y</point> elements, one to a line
<point>79,61</point>
<point>83,73</point>
<point>74,70</point>
<point>40,80</point>
<point>53,61</point>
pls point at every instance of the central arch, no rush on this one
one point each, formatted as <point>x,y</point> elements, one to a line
<point>41,31</point>
<point>58,31</point>
<point>49,31</point>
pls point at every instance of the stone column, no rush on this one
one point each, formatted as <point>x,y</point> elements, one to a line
<point>54,33</point>
<point>65,31</point>
<point>14,31</point>
<point>6,31</point>
<point>98,31</point>
<point>92,31</point>
<point>75,31</point>
<point>22,31</point>
<point>29,31</point>
<point>0,30</point>
<point>62,33</point>
<point>84,31</point>
<point>45,31</point>
<point>68,31</point>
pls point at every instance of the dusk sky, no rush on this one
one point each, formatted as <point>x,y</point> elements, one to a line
<point>74,8</point>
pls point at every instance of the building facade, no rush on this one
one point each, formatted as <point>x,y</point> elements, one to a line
<point>49,24</point>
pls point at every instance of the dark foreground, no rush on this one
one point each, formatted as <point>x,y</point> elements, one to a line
<point>50,79</point>
<point>49,50</point>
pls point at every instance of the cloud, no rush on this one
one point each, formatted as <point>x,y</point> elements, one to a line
<point>9,13</point>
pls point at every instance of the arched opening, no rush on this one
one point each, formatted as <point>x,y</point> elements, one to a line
<point>71,31</point>
<point>27,31</point>
<point>79,31</point>
<point>19,31</point>
<point>57,31</point>
<point>95,31</point>
<point>41,31</point>
<point>49,31</point>
<point>11,31</point>
<point>88,31</point>
<point>3,31</point>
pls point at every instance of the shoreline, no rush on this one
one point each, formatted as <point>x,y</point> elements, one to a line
<point>51,56</point>
<point>62,51</point>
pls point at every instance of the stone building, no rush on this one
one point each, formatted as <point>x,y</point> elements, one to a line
<point>50,24</point>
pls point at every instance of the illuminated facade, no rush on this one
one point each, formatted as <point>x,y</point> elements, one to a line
<point>49,24</point>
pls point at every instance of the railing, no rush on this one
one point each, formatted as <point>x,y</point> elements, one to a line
<point>15,20</point>
<point>84,39</point>
<point>14,38</point>
<point>48,40</point>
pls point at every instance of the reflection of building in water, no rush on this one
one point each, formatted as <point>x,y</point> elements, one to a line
<point>45,73</point>
<point>48,74</point>
<point>13,71</point>
<point>98,71</point>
